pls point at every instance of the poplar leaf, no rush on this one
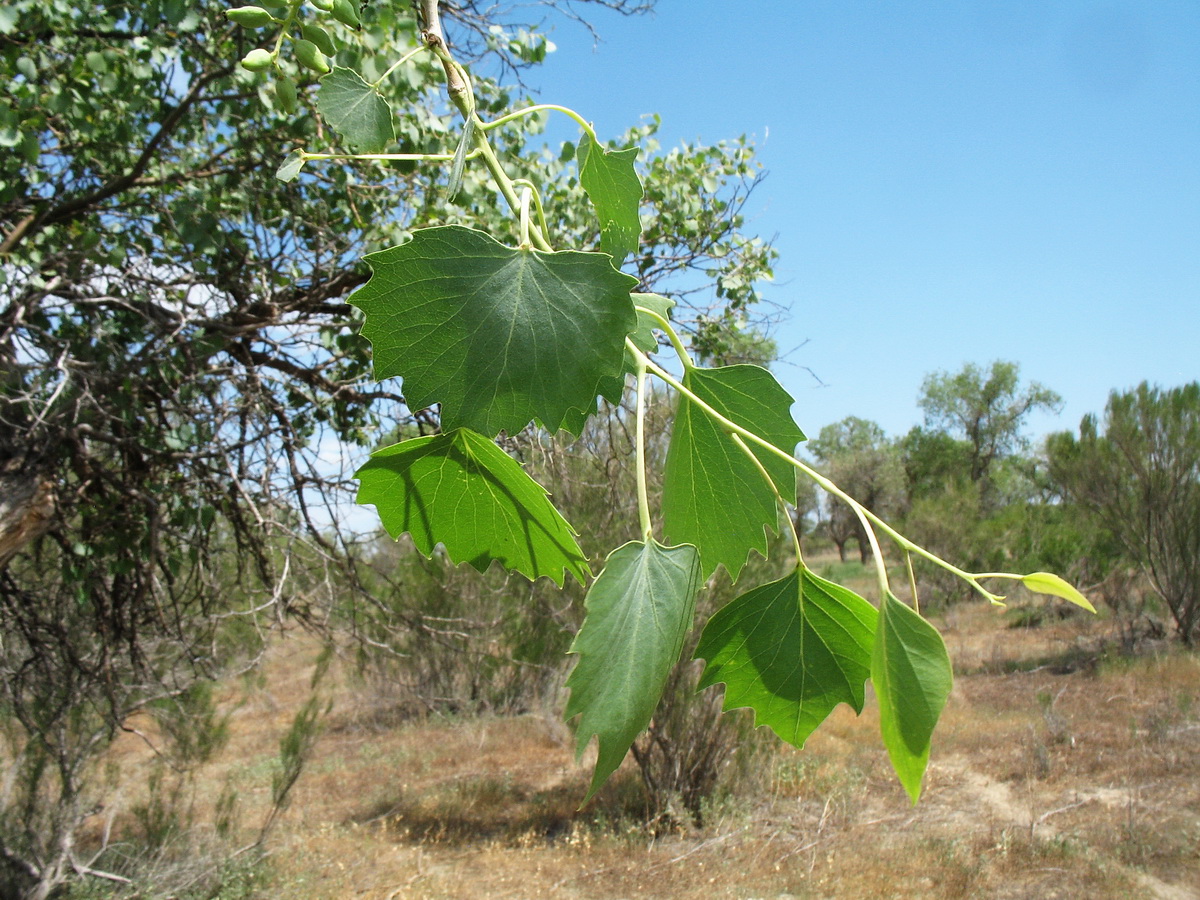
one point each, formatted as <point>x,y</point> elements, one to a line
<point>497,336</point>
<point>639,610</point>
<point>291,166</point>
<point>713,494</point>
<point>460,490</point>
<point>791,650</point>
<point>1049,583</point>
<point>356,111</point>
<point>912,676</point>
<point>612,184</point>
<point>643,336</point>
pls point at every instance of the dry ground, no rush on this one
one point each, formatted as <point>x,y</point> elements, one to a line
<point>1055,774</point>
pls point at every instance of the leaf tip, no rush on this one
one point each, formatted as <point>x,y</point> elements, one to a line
<point>1049,583</point>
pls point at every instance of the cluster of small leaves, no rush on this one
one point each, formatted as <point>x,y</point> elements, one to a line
<point>502,338</point>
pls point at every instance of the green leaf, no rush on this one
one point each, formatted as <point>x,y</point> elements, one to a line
<point>613,186</point>
<point>458,165</point>
<point>713,494</point>
<point>1049,583</point>
<point>912,676</point>
<point>291,166</point>
<point>639,611</point>
<point>356,111</point>
<point>791,650</point>
<point>460,490</point>
<point>497,336</point>
<point>643,336</point>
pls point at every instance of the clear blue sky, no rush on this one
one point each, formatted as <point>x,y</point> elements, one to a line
<point>949,182</point>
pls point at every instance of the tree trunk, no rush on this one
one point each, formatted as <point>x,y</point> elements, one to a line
<point>26,507</point>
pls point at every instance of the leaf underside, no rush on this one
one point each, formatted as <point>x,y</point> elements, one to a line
<point>498,336</point>
<point>460,490</point>
<point>791,650</point>
<point>611,182</point>
<point>639,610</point>
<point>356,111</point>
<point>912,675</point>
<point>714,496</point>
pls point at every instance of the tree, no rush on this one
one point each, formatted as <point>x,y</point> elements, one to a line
<point>176,350</point>
<point>504,335</point>
<point>987,410</point>
<point>857,455</point>
<point>1139,477</point>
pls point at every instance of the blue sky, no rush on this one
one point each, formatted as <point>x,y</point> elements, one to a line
<point>949,182</point>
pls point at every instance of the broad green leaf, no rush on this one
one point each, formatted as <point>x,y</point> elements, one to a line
<point>713,494</point>
<point>613,186</point>
<point>291,166</point>
<point>791,650</point>
<point>912,676</point>
<point>356,111</point>
<point>1049,583</point>
<point>498,336</point>
<point>639,611</point>
<point>644,339</point>
<point>460,490</point>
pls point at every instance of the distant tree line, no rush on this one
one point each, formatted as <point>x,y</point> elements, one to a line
<point>1117,506</point>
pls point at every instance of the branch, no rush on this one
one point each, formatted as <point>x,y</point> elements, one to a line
<point>71,208</point>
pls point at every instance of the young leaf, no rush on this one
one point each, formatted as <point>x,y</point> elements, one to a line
<point>458,165</point>
<point>639,611</point>
<point>613,186</point>
<point>460,490</point>
<point>356,111</point>
<point>497,336</point>
<point>291,166</point>
<point>791,650</point>
<point>713,495</point>
<point>643,336</point>
<point>912,676</point>
<point>1049,583</point>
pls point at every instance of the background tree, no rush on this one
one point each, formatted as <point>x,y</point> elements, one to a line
<point>857,455</point>
<point>1139,476</point>
<point>987,410</point>
<point>177,361</point>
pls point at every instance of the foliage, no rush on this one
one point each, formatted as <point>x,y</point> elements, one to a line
<point>1138,475</point>
<point>857,455</point>
<point>987,410</point>
<point>510,337</point>
<point>176,356</point>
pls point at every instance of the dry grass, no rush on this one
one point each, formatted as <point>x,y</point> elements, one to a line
<point>1057,772</point>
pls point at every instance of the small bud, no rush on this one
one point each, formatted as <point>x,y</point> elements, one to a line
<point>320,37</point>
<point>249,16</point>
<point>285,95</point>
<point>257,60</point>
<point>309,56</point>
<point>323,5</point>
<point>344,12</point>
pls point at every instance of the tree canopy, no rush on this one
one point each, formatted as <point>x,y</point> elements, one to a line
<point>1137,472</point>
<point>178,362</point>
<point>985,408</point>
